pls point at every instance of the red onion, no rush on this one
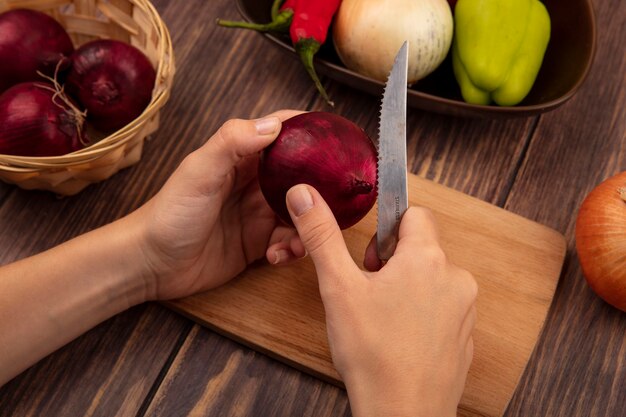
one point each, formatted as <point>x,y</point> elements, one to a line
<point>37,120</point>
<point>328,152</point>
<point>30,41</point>
<point>112,80</point>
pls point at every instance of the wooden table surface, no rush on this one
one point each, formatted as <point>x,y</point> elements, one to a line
<point>150,361</point>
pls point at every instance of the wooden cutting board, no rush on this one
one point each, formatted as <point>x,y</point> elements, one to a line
<point>516,262</point>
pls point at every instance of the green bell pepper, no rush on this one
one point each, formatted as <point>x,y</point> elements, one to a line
<point>498,48</point>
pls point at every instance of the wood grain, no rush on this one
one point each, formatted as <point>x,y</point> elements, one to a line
<point>108,371</point>
<point>35,221</point>
<point>579,367</point>
<point>483,148</point>
<point>516,263</point>
<point>214,377</point>
<point>5,189</point>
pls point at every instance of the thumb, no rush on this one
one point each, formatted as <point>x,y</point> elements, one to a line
<point>237,139</point>
<point>320,234</point>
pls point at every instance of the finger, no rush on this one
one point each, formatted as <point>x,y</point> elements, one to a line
<point>467,327</point>
<point>371,261</point>
<point>286,114</point>
<point>234,141</point>
<point>469,353</point>
<point>319,232</point>
<point>237,139</point>
<point>280,253</point>
<point>206,169</point>
<point>281,234</point>
<point>297,247</point>
<point>418,228</point>
<point>284,246</point>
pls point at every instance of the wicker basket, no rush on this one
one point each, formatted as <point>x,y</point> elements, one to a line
<point>133,21</point>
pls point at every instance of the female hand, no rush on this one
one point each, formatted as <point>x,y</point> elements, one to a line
<point>400,337</point>
<point>210,220</point>
<point>207,223</point>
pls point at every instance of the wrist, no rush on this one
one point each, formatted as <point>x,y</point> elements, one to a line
<point>393,397</point>
<point>370,402</point>
<point>113,253</point>
<point>132,276</point>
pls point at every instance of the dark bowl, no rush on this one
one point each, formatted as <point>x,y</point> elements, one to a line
<point>565,65</point>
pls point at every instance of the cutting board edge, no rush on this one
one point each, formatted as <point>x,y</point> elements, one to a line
<point>536,237</point>
<point>173,305</point>
<point>542,328</point>
<point>549,230</point>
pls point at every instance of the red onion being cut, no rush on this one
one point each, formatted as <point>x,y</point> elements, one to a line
<point>30,41</point>
<point>328,152</point>
<point>37,120</point>
<point>112,80</point>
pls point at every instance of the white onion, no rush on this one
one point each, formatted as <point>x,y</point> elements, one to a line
<point>368,34</point>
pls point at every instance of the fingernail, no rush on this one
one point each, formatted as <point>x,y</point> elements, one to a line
<point>280,256</point>
<point>267,125</point>
<point>300,199</point>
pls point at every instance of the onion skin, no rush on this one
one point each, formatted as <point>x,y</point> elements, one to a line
<point>601,240</point>
<point>328,152</point>
<point>32,124</point>
<point>30,41</point>
<point>368,34</point>
<point>112,80</point>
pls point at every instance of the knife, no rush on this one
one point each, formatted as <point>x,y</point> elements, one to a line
<point>392,169</point>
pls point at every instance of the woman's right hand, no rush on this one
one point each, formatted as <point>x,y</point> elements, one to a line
<point>401,337</point>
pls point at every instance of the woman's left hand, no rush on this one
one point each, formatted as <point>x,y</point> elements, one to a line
<point>210,220</point>
<point>207,223</point>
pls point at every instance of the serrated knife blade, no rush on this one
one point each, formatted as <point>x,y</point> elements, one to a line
<point>392,160</point>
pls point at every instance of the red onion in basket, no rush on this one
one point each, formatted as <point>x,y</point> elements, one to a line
<point>30,41</point>
<point>328,152</point>
<point>36,120</point>
<point>112,80</point>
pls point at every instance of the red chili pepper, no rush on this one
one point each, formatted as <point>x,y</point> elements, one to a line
<point>308,22</point>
